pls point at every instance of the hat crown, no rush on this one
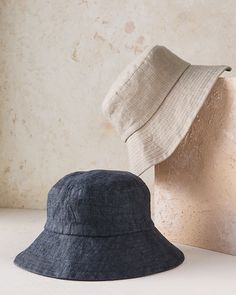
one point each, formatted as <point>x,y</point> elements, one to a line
<point>99,203</point>
<point>141,88</point>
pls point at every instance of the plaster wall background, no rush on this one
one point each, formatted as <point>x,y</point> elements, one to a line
<point>57,61</point>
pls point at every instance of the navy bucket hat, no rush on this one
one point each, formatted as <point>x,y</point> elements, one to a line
<point>99,228</point>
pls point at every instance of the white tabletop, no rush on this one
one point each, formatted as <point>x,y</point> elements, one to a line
<point>203,272</point>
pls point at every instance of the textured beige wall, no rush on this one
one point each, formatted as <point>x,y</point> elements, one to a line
<point>195,191</point>
<point>58,59</point>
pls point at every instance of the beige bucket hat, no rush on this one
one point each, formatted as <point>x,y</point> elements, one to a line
<point>154,101</point>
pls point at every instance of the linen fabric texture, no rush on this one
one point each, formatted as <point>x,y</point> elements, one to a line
<point>154,101</point>
<point>99,228</point>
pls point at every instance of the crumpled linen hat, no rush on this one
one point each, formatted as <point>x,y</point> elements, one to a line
<point>154,101</point>
<point>99,228</point>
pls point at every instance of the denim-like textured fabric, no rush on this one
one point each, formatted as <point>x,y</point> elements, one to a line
<point>99,228</point>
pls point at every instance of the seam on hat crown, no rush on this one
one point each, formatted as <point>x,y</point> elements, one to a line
<point>131,103</point>
<point>125,76</point>
<point>99,203</point>
<point>91,234</point>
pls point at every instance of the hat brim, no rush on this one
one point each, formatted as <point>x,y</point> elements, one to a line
<point>99,258</point>
<point>160,136</point>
